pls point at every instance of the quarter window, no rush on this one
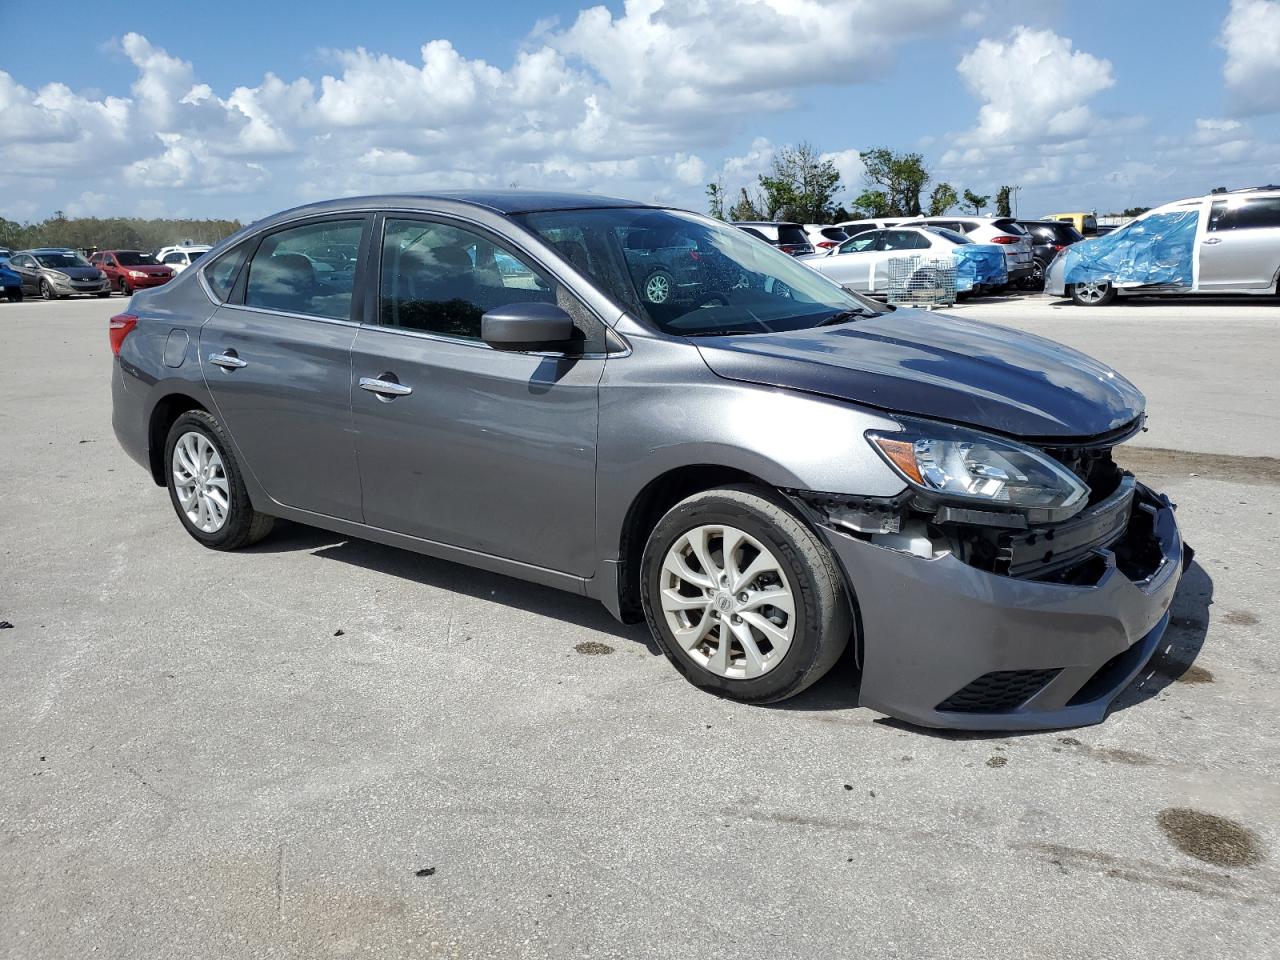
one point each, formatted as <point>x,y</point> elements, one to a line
<point>441,278</point>
<point>221,274</point>
<point>293,272</point>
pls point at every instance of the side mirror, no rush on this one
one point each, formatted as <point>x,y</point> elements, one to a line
<point>526,326</point>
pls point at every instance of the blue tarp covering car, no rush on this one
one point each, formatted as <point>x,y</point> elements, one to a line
<point>979,264</point>
<point>1156,250</point>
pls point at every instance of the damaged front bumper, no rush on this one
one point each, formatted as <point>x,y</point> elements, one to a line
<point>947,644</point>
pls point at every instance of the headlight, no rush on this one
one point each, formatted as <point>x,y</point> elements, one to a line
<point>954,463</point>
<point>137,274</point>
<point>59,276</point>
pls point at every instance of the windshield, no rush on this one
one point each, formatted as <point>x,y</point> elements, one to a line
<point>60,260</point>
<point>690,275</point>
<point>132,258</point>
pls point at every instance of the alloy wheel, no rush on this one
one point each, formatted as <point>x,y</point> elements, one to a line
<point>200,479</point>
<point>1092,292</point>
<point>658,288</point>
<point>46,291</point>
<point>727,601</point>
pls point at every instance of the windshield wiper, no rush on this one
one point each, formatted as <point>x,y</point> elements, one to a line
<point>721,333</point>
<point>844,316</point>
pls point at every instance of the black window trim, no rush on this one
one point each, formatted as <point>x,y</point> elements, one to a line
<point>372,291</point>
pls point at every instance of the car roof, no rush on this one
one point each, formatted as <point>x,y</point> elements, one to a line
<point>48,250</point>
<point>500,201</point>
<point>761,223</point>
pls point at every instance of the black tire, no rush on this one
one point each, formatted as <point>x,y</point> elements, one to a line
<point>125,288</point>
<point>824,620</point>
<point>14,294</point>
<point>244,525</point>
<point>104,294</point>
<point>1101,294</point>
<point>46,291</point>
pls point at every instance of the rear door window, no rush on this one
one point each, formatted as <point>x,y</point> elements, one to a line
<point>904,240</point>
<point>1257,213</point>
<point>287,273</point>
<point>792,234</point>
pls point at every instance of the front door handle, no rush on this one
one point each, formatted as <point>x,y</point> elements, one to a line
<point>228,360</point>
<point>1213,240</point>
<point>384,389</point>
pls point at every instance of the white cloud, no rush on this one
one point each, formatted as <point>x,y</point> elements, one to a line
<point>625,102</point>
<point>1034,87</point>
<point>1251,36</point>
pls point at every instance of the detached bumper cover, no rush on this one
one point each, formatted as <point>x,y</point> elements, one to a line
<point>945,644</point>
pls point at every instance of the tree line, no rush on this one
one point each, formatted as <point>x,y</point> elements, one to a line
<point>111,233</point>
<point>802,187</point>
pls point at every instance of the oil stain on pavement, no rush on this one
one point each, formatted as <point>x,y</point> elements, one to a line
<point>1213,839</point>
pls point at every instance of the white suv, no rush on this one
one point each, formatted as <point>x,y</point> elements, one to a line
<point>823,238</point>
<point>180,257</point>
<point>1227,242</point>
<point>1005,231</point>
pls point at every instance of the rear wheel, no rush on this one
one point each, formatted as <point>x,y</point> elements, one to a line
<point>206,486</point>
<point>1092,294</point>
<point>742,597</point>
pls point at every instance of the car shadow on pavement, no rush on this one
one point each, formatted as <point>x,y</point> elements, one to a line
<point>560,605</point>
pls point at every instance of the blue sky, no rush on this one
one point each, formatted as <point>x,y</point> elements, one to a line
<point>156,109</point>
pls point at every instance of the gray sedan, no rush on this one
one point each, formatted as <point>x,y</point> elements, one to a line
<point>768,469</point>
<point>55,273</point>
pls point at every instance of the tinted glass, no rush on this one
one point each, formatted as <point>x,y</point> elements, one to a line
<point>132,258</point>
<point>1253,214</point>
<point>442,279</point>
<point>904,240</point>
<point>717,280</point>
<point>1009,226</point>
<point>792,235</point>
<point>172,258</point>
<point>59,260</point>
<point>952,235</point>
<point>287,274</point>
<point>834,233</point>
<point>221,274</point>
<point>194,255</point>
<point>862,242</point>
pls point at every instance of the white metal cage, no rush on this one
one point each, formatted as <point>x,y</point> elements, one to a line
<point>920,282</point>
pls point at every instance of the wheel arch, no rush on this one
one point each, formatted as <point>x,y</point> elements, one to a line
<point>168,409</point>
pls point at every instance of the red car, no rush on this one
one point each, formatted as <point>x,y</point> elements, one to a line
<point>130,270</point>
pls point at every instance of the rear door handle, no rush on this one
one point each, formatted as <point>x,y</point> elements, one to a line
<point>1213,240</point>
<point>228,360</point>
<point>385,389</point>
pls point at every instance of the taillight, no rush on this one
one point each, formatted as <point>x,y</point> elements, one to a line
<point>1059,247</point>
<point>827,244</point>
<point>694,255</point>
<point>121,326</point>
<point>1004,239</point>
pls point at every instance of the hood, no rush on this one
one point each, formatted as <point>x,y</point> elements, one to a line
<point>941,367</point>
<point>78,273</point>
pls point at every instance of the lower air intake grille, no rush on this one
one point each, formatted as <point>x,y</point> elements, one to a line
<point>998,691</point>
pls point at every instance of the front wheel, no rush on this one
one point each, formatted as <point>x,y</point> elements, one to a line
<point>742,597</point>
<point>125,288</point>
<point>206,486</point>
<point>14,294</point>
<point>1092,294</point>
<point>46,290</point>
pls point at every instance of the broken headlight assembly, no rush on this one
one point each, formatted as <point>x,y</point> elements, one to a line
<point>980,472</point>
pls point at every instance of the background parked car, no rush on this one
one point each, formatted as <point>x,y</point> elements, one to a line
<point>854,227</point>
<point>1086,224</point>
<point>1048,239</point>
<point>1002,230</point>
<point>130,270</point>
<point>787,237</point>
<point>825,238</point>
<point>10,280</point>
<point>180,257</point>
<point>54,273</point>
<point>1219,243</point>
<point>862,262</point>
